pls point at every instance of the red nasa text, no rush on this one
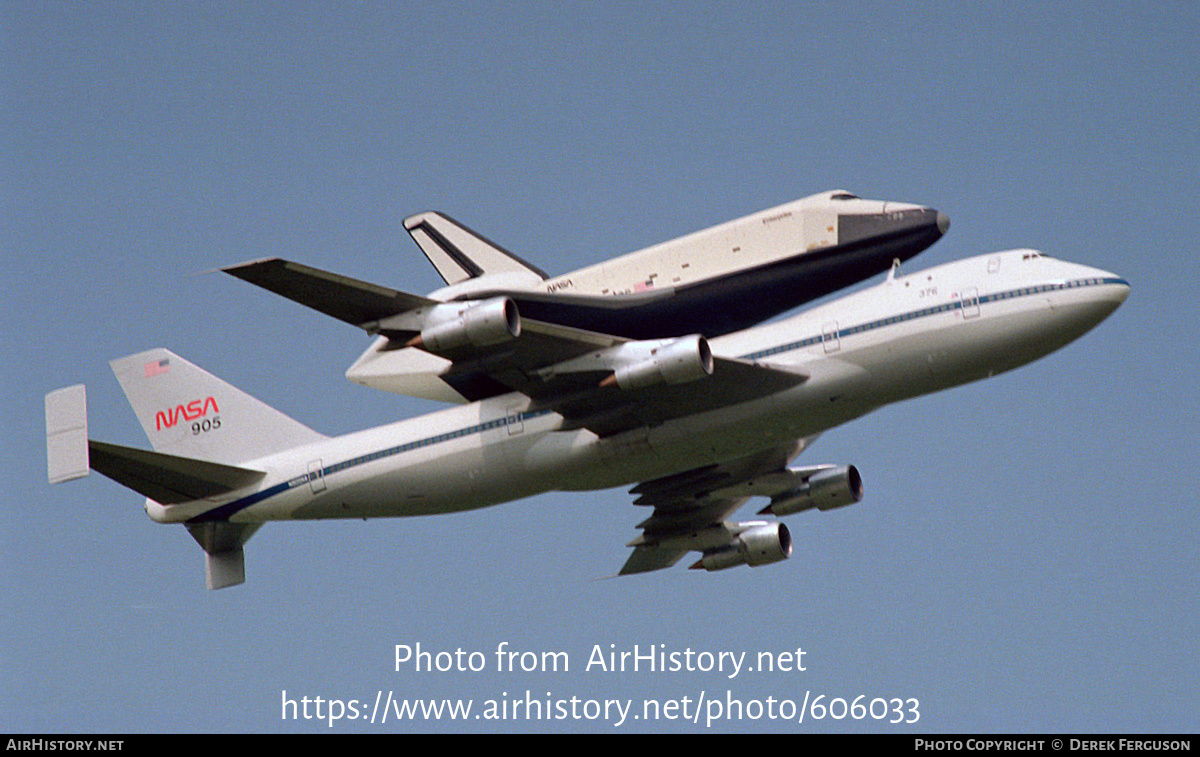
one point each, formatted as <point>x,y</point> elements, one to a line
<point>189,412</point>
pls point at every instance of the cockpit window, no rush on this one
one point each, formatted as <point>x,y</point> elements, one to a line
<point>843,196</point>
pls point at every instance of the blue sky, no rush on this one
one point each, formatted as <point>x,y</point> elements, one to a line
<point>1024,558</point>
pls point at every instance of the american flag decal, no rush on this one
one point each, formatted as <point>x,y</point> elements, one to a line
<point>157,367</point>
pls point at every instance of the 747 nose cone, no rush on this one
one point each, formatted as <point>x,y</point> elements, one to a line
<point>943,222</point>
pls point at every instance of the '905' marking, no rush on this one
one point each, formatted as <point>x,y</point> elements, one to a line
<point>206,425</point>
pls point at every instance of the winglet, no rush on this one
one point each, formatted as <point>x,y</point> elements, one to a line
<point>66,434</point>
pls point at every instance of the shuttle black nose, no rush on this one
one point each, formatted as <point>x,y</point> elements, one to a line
<point>912,226</point>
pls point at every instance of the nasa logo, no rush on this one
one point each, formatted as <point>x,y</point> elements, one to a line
<point>189,412</point>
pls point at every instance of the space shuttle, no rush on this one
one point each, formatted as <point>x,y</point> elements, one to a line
<point>708,283</point>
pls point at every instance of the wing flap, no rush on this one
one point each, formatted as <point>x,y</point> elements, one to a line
<point>666,523</point>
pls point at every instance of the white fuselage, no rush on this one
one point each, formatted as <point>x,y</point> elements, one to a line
<point>908,336</point>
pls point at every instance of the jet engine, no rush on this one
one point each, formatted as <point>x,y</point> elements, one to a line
<point>760,544</point>
<point>825,490</point>
<point>677,362</point>
<point>484,324</point>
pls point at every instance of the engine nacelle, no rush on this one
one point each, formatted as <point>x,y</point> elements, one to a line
<point>678,362</point>
<point>453,325</point>
<point>824,490</point>
<point>761,544</point>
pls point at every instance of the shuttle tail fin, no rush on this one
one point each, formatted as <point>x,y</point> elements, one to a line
<point>458,253</point>
<point>187,411</point>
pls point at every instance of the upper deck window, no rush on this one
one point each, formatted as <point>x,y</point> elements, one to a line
<point>843,196</point>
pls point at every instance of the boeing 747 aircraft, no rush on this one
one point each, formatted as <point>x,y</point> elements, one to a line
<point>698,426</point>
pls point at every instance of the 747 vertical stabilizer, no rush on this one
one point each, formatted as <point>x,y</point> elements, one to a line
<point>202,429</point>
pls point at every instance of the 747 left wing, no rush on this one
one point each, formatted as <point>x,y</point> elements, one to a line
<point>478,349</point>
